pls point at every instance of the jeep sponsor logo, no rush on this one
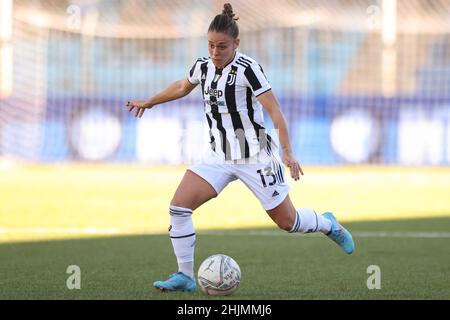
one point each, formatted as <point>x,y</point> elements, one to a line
<point>214,92</point>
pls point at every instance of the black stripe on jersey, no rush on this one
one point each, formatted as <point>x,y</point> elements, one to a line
<point>262,71</point>
<point>204,69</point>
<point>250,74</point>
<point>211,137</point>
<point>239,131</point>
<point>191,73</point>
<point>246,60</point>
<point>236,120</point>
<point>251,112</point>
<point>267,145</point>
<point>264,140</point>
<point>242,64</point>
<point>230,91</point>
<point>252,79</point>
<point>226,147</point>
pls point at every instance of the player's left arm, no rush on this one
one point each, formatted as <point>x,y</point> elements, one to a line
<point>271,105</point>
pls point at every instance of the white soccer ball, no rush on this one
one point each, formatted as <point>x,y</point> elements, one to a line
<point>219,275</point>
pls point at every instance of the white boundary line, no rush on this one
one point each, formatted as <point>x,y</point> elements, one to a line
<point>264,233</point>
<point>45,230</point>
<point>361,234</point>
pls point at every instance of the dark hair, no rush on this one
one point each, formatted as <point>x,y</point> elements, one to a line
<point>225,22</point>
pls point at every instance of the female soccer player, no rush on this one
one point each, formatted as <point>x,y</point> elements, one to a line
<point>235,90</point>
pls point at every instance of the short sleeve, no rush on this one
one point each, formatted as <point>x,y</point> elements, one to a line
<point>195,72</point>
<point>256,79</point>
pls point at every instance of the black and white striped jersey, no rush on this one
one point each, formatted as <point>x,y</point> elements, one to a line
<point>233,112</point>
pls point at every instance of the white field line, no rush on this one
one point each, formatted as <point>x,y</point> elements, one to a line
<point>45,230</point>
<point>266,233</point>
<point>360,234</point>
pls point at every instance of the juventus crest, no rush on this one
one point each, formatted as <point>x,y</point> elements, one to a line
<point>231,77</point>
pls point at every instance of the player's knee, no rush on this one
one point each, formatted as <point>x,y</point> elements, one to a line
<point>285,225</point>
<point>288,221</point>
<point>283,220</point>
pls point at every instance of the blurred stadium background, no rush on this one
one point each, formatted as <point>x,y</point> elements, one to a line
<point>356,86</point>
<point>364,85</point>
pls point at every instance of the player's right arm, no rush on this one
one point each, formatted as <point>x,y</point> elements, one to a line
<point>176,90</point>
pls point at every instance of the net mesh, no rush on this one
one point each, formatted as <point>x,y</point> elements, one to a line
<point>358,81</point>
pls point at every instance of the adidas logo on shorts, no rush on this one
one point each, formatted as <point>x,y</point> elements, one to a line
<point>275,193</point>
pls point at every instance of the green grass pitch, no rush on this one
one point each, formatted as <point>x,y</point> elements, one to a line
<point>49,218</point>
<point>274,265</point>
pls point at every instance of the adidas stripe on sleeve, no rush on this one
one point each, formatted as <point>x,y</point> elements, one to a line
<point>195,72</point>
<point>255,77</point>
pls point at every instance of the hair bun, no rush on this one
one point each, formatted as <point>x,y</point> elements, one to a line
<point>228,11</point>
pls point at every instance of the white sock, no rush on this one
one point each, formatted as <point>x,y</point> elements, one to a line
<point>182,235</point>
<point>307,221</point>
<point>187,268</point>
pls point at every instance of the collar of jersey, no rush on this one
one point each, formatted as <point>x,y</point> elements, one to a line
<point>229,63</point>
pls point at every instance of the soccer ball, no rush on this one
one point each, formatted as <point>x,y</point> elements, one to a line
<point>219,275</point>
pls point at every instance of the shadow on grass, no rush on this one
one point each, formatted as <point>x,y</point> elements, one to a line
<point>275,265</point>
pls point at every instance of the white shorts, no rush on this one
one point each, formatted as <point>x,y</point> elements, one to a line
<point>263,174</point>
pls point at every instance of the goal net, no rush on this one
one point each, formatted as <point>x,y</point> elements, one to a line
<point>359,82</point>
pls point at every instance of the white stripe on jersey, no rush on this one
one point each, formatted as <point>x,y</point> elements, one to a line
<point>230,98</point>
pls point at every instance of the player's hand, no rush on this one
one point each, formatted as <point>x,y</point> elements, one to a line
<point>293,165</point>
<point>139,105</point>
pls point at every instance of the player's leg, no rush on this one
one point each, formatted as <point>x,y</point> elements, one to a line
<point>195,189</point>
<point>192,192</point>
<point>266,180</point>
<point>288,218</point>
<point>306,220</point>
